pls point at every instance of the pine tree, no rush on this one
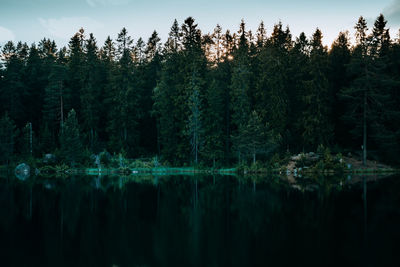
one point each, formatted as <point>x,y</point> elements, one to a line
<point>174,41</point>
<point>193,88</point>
<point>25,141</point>
<point>7,136</point>
<point>191,36</point>
<point>272,87</point>
<point>147,76</point>
<point>153,47</point>
<point>338,60</point>
<point>125,109</point>
<point>195,118</point>
<point>256,137</point>
<point>317,128</point>
<point>217,99</point>
<point>53,107</point>
<point>35,80</point>
<point>166,94</point>
<point>91,92</point>
<point>13,87</point>
<point>75,72</point>
<point>70,141</point>
<point>217,38</point>
<point>370,108</point>
<point>107,66</point>
<point>240,86</point>
<point>46,140</point>
<point>261,35</point>
<point>296,72</point>
<point>139,52</point>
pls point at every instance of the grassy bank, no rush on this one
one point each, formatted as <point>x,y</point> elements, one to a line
<point>323,162</point>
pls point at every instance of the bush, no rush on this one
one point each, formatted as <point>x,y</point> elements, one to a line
<point>306,160</point>
<point>141,164</point>
<point>275,161</point>
<point>118,161</point>
<point>328,162</point>
<point>257,167</point>
<point>241,168</point>
<point>105,158</point>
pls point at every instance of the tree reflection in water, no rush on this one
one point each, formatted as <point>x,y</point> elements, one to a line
<point>196,221</point>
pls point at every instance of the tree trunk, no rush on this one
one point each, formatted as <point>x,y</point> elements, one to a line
<point>61,108</point>
<point>30,139</point>
<point>91,138</point>
<point>365,131</point>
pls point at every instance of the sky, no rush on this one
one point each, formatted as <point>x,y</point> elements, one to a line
<point>32,20</point>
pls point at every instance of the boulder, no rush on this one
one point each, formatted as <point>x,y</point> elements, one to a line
<point>49,158</point>
<point>23,171</point>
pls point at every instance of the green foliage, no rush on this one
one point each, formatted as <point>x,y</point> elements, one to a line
<point>24,144</point>
<point>56,169</point>
<point>105,158</point>
<point>53,100</point>
<point>7,136</point>
<point>142,164</point>
<point>275,161</point>
<point>71,146</point>
<point>255,138</point>
<point>205,99</point>
<point>305,161</point>
<point>328,161</point>
<point>316,125</point>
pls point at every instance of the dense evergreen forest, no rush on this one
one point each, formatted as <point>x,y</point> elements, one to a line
<point>203,98</point>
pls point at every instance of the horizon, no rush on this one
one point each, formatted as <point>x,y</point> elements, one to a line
<point>60,21</point>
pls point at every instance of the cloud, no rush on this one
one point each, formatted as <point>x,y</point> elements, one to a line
<point>64,28</point>
<point>94,3</point>
<point>6,35</point>
<point>392,12</point>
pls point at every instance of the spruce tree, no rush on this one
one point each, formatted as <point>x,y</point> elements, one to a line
<point>125,109</point>
<point>338,61</point>
<point>195,128</point>
<point>26,140</point>
<point>272,87</point>
<point>75,72</point>
<point>148,75</point>
<point>370,108</point>
<point>297,71</point>
<point>192,93</point>
<point>7,138</point>
<point>70,140</point>
<point>214,115</point>
<point>164,96</point>
<point>107,66</point>
<point>240,86</point>
<point>54,97</point>
<point>256,138</point>
<point>13,91</point>
<point>153,47</point>
<point>91,92</point>
<point>316,124</point>
<point>35,81</point>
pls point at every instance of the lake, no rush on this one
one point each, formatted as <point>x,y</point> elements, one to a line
<point>198,221</point>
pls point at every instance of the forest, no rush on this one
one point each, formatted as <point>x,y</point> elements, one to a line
<point>217,98</point>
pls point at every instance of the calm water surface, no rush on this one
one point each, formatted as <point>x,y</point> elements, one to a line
<point>197,221</point>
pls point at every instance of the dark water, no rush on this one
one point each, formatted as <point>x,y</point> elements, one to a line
<point>197,221</point>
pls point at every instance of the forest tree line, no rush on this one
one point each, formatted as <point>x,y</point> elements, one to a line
<point>219,97</point>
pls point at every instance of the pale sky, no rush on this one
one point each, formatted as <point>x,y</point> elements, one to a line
<point>31,20</point>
